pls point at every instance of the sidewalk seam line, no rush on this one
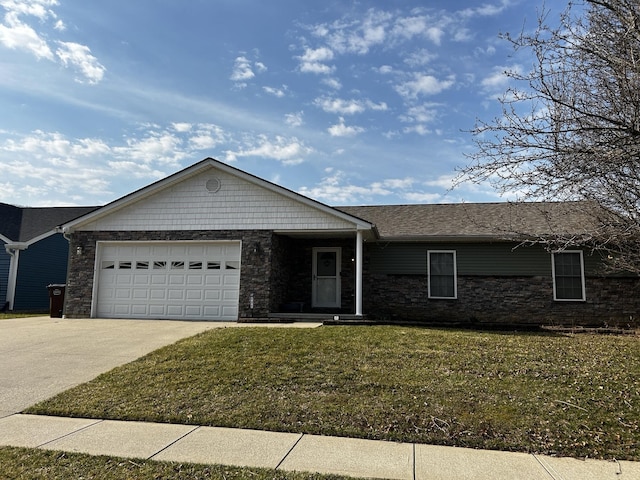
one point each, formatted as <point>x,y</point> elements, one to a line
<point>96,422</point>
<point>174,442</point>
<point>414,461</point>
<point>289,451</point>
<point>546,469</point>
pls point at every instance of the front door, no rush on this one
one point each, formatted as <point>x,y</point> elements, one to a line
<point>326,277</point>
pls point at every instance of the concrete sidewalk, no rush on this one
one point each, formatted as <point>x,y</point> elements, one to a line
<point>291,451</point>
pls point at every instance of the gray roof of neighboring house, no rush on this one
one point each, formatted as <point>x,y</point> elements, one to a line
<point>21,224</point>
<point>475,220</point>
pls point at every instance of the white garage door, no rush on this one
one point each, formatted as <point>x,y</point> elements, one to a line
<point>173,280</point>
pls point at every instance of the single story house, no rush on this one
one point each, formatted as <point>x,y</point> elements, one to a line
<point>33,254</point>
<point>212,242</point>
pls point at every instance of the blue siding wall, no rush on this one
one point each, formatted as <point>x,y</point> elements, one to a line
<point>43,263</point>
<point>4,273</point>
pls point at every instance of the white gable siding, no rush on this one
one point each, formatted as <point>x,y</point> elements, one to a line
<point>237,205</point>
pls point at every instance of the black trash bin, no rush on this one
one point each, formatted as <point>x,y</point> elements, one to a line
<point>56,300</point>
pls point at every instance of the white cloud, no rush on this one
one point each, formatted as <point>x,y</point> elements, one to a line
<point>342,130</point>
<point>72,169</point>
<point>348,107</point>
<point>207,136</point>
<point>422,197</point>
<point>162,147</point>
<point>498,80</point>
<point>419,129</point>
<point>276,92</point>
<point>16,33</point>
<point>420,58</point>
<point>423,84</point>
<point>332,83</point>
<point>289,151</point>
<point>242,70</point>
<point>181,127</point>
<point>294,119</point>
<point>336,189</point>
<point>338,105</point>
<point>35,8</point>
<point>424,113</point>
<point>313,60</point>
<point>358,36</point>
<point>79,56</point>
<point>486,9</point>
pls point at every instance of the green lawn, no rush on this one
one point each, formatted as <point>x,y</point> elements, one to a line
<point>33,464</point>
<point>571,395</point>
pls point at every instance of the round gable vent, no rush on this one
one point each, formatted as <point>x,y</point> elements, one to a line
<point>213,185</point>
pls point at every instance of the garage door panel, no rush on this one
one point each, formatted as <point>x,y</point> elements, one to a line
<point>169,280</point>
<point>213,295</point>
<point>158,311</point>
<point>175,310</point>
<point>158,279</point>
<point>141,294</point>
<point>194,294</point>
<point>230,295</point>
<point>193,310</point>
<point>176,294</point>
<point>139,310</point>
<point>213,280</point>
<point>123,294</point>
<point>158,294</point>
<point>195,280</point>
<point>121,309</point>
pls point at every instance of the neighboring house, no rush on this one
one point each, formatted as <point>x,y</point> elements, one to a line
<point>32,254</point>
<point>212,242</point>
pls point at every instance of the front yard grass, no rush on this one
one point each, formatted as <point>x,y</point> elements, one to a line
<point>34,464</point>
<point>570,395</point>
<point>4,316</point>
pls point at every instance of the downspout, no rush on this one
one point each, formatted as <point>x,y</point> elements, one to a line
<point>14,252</point>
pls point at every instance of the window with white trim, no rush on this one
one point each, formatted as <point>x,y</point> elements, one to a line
<point>442,274</point>
<point>568,276</point>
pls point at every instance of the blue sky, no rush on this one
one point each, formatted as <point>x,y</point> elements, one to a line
<point>348,102</point>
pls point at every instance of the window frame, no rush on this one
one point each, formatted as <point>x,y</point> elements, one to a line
<point>455,275</point>
<point>554,276</point>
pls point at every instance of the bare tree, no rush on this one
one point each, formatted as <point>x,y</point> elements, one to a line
<point>570,129</point>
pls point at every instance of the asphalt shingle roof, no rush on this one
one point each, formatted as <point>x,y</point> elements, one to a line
<point>22,224</point>
<point>472,220</point>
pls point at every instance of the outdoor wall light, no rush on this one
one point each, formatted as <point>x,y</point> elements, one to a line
<point>79,250</point>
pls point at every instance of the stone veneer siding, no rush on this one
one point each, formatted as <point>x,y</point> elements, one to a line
<point>255,265</point>
<point>611,301</point>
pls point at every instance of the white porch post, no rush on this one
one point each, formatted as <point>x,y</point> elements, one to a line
<point>14,252</point>
<point>359,273</point>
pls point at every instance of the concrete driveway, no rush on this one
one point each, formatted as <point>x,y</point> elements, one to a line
<point>42,356</point>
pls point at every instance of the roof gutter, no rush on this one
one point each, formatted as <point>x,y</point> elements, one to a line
<point>447,238</point>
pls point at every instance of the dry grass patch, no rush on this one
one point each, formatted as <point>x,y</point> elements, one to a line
<point>33,464</point>
<point>556,394</point>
